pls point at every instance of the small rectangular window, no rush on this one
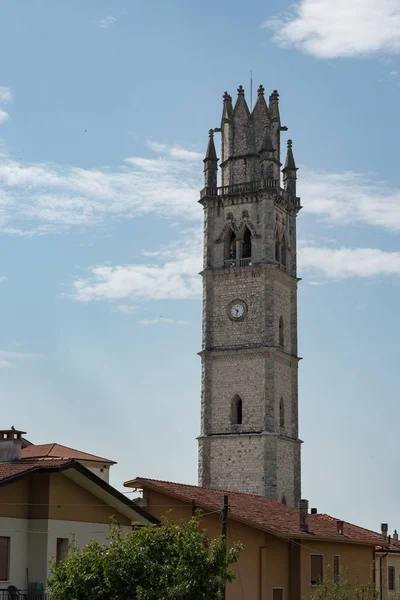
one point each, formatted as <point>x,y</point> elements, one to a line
<point>62,548</point>
<point>4,558</point>
<point>278,594</point>
<point>391,578</point>
<point>336,569</point>
<point>317,569</point>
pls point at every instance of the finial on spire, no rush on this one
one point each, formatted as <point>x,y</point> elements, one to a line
<point>289,143</point>
<point>226,96</point>
<point>240,90</point>
<point>260,91</point>
<point>211,133</point>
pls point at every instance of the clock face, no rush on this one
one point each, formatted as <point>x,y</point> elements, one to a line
<point>237,310</point>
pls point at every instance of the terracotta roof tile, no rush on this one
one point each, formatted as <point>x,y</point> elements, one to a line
<point>59,451</point>
<point>12,469</point>
<point>264,513</point>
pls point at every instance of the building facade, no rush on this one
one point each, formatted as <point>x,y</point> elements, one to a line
<point>287,552</point>
<point>249,409</point>
<point>46,503</point>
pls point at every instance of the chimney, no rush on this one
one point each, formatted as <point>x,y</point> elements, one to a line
<point>384,529</point>
<point>339,525</point>
<point>395,536</point>
<point>303,509</point>
<point>314,511</point>
<point>10,444</point>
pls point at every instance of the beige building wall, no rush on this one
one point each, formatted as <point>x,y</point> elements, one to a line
<point>267,561</point>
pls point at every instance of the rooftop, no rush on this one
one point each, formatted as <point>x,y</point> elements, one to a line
<point>264,513</point>
<point>54,450</point>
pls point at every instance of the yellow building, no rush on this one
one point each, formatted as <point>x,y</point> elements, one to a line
<point>47,502</point>
<point>287,551</point>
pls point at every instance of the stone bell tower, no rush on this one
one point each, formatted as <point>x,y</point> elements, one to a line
<point>249,409</point>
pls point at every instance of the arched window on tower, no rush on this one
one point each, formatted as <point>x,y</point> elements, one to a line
<point>246,247</point>
<point>281,414</point>
<point>281,333</point>
<point>237,411</point>
<point>284,499</point>
<point>277,249</point>
<point>283,253</point>
<point>230,248</point>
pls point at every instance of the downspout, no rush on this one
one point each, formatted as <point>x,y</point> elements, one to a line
<point>381,575</point>
<point>261,548</point>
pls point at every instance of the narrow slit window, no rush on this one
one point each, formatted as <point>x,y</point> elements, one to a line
<point>277,250</point>
<point>237,411</point>
<point>281,333</point>
<point>281,414</point>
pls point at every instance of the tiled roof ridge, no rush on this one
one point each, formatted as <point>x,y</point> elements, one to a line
<point>347,523</point>
<point>265,513</point>
<point>52,447</point>
<point>203,487</point>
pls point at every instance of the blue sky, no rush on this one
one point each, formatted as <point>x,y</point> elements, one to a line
<point>104,114</point>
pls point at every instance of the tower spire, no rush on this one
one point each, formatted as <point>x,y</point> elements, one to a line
<point>289,170</point>
<point>210,163</point>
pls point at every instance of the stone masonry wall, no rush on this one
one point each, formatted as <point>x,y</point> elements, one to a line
<point>236,374</point>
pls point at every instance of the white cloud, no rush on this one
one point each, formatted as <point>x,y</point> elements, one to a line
<point>4,116</point>
<point>43,198</point>
<point>8,359</point>
<point>5,94</point>
<point>176,151</point>
<point>174,276</point>
<point>344,263</point>
<point>346,198</point>
<point>164,321</point>
<point>127,309</point>
<point>107,22</point>
<point>327,29</point>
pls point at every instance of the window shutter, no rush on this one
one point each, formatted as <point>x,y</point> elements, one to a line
<point>4,554</point>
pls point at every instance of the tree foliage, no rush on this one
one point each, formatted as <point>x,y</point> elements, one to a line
<point>342,590</point>
<point>172,561</point>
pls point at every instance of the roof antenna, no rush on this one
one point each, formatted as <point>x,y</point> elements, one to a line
<point>251,90</point>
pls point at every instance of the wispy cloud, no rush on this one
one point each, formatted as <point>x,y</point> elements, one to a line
<point>164,321</point>
<point>174,276</point>
<point>8,359</point>
<point>327,29</point>
<point>343,263</point>
<point>174,151</point>
<point>348,198</point>
<point>107,22</point>
<point>45,198</point>
<point>126,309</point>
<point>4,116</point>
<point>5,95</point>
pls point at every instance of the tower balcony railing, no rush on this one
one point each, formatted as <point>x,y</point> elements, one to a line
<point>237,262</point>
<point>240,188</point>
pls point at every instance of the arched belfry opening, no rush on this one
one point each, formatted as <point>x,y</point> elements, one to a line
<point>283,252</point>
<point>246,244</point>
<point>281,333</point>
<point>277,248</point>
<point>281,414</point>
<point>230,246</point>
<point>237,411</point>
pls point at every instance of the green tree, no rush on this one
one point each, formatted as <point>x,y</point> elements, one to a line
<point>342,590</point>
<point>169,561</point>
